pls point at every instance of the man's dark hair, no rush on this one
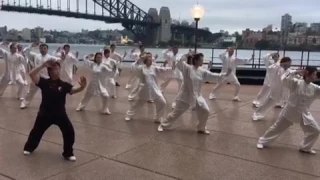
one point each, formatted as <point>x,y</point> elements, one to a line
<point>12,45</point>
<point>309,70</point>
<point>44,45</point>
<point>285,59</point>
<point>106,51</point>
<point>49,69</point>
<point>112,45</point>
<point>66,46</point>
<point>196,57</point>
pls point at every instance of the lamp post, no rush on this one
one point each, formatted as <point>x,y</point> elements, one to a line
<point>197,13</point>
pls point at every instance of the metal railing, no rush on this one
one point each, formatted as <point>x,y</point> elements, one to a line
<point>299,58</point>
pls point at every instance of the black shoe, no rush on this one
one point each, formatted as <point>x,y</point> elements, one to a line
<point>117,84</point>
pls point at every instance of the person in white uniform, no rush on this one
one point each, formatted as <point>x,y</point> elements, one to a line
<point>118,58</point>
<point>171,56</point>
<point>276,88</point>
<point>135,56</point>
<point>39,59</point>
<point>228,61</point>
<point>148,87</point>
<point>67,65</point>
<point>190,93</point>
<point>269,59</point>
<point>16,61</point>
<point>110,80</point>
<point>302,93</point>
<point>97,85</point>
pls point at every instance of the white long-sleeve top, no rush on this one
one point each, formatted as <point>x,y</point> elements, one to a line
<point>267,62</point>
<point>193,78</point>
<point>116,56</point>
<point>39,59</point>
<point>148,85</point>
<point>231,62</point>
<point>112,64</point>
<point>171,59</point>
<point>302,95</point>
<point>276,86</point>
<point>14,62</point>
<point>67,64</point>
<point>99,73</point>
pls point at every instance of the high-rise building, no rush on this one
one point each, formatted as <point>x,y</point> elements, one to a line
<point>39,32</point>
<point>26,34</point>
<point>315,27</point>
<point>300,27</point>
<point>3,30</point>
<point>286,26</point>
<point>286,22</point>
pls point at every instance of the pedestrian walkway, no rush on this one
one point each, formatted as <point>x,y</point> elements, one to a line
<point>109,148</point>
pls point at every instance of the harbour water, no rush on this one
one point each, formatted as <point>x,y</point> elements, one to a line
<point>311,58</point>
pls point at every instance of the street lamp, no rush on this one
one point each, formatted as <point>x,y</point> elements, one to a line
<point>197,13</point>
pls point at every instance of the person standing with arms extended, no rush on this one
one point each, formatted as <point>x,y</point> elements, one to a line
<point>52,110</point>
<point>190,93</point>
<point>39,59</point>
<point>228,61</point>
<point>302,94</point>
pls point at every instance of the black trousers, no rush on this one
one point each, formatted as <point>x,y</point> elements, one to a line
<point>43,122</point>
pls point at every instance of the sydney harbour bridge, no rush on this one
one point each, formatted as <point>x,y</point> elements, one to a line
<point>148,27</point>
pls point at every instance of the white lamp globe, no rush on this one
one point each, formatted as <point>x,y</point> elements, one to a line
<point>197,12</point>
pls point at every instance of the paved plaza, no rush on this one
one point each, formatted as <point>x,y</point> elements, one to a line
<point>109,148</point>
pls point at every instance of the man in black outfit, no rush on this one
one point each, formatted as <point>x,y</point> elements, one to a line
<point>52,110</point>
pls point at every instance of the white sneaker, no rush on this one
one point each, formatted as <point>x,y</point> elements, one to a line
<point>204,132</point>
<point>127,119</point>
<point>150,101</point>
<point>212,96</point>
<point>114,97</point>
<point>10,83</point>
<point>23,106</point>
<point>71,158</point>
<point>257,117</point>
<point>26,153</point>
<point>260,146</point>
<point>309,151</point>
<point>128,86</point>
<point>106,112</point>
<point>236,98</point>
<point>160,128</point>
<point>173,105</point>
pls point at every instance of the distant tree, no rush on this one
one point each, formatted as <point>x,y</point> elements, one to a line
<point>262,44</point>
<point>215,36</point>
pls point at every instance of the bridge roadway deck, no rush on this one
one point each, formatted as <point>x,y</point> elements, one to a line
<point>108,148</point>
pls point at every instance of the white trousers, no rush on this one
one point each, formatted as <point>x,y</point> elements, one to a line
<point>33,89</point>
<point>117,77</point>
<point>166,82</point>
<point>88,95</point>
<point>111,86</point>
<point>22,85</point>
<point>311,133</point>
<point>262,95</point>
<point>132,80</point>
<point>202,110</point>
<point>266,105</point>
<point>159,102</point>
<point>220,84</point>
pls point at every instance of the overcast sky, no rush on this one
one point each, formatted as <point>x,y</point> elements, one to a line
<point>230,15</point>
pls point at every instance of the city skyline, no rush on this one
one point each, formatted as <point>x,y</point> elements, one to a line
<point>229,15</point>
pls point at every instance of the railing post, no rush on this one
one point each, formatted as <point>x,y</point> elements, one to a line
<point>301,59</point>
<point>253,51</point>
<point>212,55</point>
<point>308,58</point>
<point>284,53</point>
<point>259,58</point>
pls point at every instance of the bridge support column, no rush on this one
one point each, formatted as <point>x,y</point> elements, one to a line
<point>164,30</point>
<point>153,32</point>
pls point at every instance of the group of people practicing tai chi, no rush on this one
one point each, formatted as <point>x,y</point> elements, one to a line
<point>53,75</point>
